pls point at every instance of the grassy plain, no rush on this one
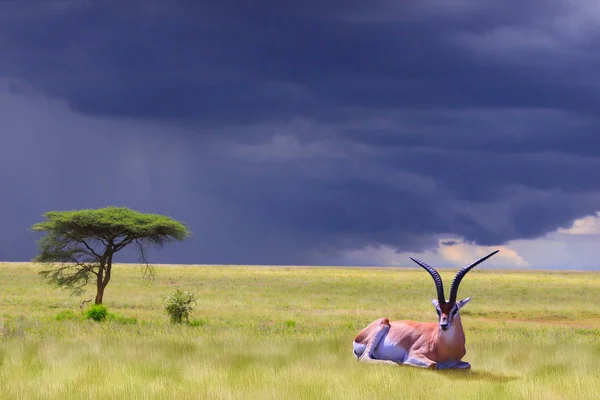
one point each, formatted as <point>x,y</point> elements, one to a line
<point>286,333</point>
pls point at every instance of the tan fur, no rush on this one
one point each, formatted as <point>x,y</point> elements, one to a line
<point>421,340</point>
<point>368,332</point>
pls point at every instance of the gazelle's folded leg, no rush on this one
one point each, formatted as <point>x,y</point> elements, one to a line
<point>418,360</point>
<point>371,336</point>
<point>378,335</point>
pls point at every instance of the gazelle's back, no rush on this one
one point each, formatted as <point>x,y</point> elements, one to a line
<point>406,333</point>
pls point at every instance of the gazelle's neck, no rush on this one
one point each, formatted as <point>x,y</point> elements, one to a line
<point>451,342</point>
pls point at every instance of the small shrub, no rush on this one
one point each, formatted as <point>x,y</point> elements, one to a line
<point>290,323</point>
<point>180,305</point>
<point>66,315</point>
<point>97,312</point>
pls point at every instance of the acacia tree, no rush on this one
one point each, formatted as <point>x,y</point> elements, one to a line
<point>80,244</point>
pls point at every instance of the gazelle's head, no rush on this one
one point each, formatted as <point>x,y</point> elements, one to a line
<point>448,309</point>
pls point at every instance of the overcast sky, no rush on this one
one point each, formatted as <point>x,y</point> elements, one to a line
<point>310,132</point>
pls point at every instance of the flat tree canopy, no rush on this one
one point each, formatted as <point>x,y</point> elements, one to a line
<point>80,244</point>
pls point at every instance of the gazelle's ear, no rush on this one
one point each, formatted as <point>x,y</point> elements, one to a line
<point>435,303</point>
<point>463,302</point>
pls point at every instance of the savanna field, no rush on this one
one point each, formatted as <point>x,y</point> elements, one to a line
<point>286,333</point>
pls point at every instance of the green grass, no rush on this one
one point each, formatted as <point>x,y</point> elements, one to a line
<point>286,333</point>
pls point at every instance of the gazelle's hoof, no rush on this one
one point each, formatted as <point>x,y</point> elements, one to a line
<point>462,365</point>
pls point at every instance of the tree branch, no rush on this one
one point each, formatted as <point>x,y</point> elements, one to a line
<point>83,242</point>
<point>123,243</point>
<point>88,247</point>
<point>84,301</point>
<point>148,270</point>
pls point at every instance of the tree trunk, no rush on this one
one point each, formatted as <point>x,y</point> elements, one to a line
<point>99,293</point>
<point>103,279</point>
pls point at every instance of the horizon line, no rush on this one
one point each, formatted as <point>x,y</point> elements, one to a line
<point>410,268</point>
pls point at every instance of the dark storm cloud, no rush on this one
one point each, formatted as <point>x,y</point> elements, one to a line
<point>242,61</point>
<point>499,130</point>
<point>484,197</point>
<point>287,133</point>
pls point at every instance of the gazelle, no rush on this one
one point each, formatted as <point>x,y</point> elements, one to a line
<point>421,344</point>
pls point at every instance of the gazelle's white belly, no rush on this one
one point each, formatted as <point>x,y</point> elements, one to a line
<point>388,350</point>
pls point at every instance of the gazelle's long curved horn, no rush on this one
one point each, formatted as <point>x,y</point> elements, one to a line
<point>461,274</point>
<point>436,278</point>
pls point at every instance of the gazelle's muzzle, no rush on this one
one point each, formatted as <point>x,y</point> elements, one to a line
<point>444,324</point>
